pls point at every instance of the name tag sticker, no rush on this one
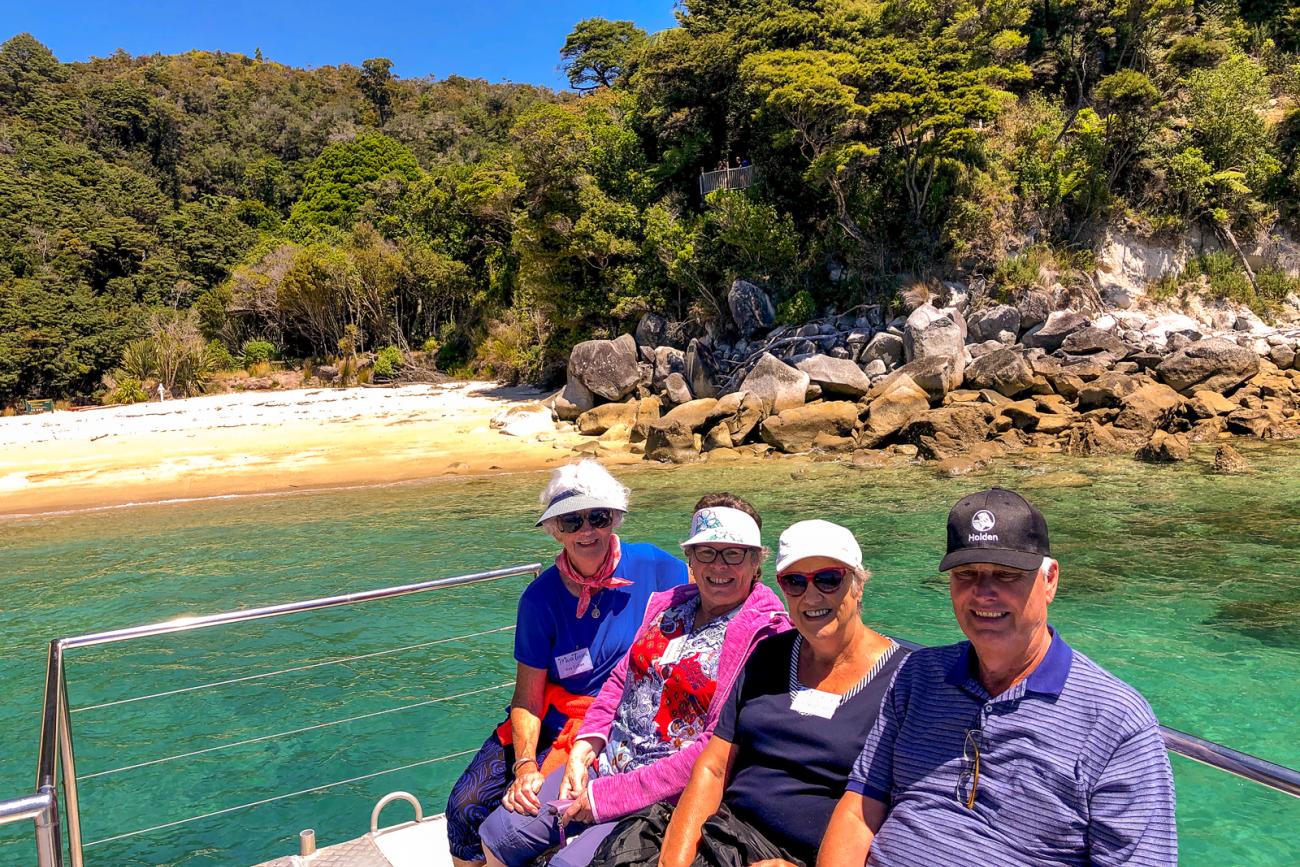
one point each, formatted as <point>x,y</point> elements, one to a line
<point>573,664</point>
<point>814,702</point>
<point>673,651</point>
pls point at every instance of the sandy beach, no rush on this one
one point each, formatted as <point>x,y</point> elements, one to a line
<point>261,442</point>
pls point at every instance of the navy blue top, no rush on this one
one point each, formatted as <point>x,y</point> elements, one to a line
<point>1073,769</point>
<point>791,769</point>
<point>547,627</point>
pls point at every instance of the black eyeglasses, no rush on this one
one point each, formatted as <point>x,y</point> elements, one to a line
<point>826,580</point>
<point>730,556</point>
<point>970,772</point>
<point>599,519</point>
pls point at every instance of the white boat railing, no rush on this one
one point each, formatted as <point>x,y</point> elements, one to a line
<point>56,776</point>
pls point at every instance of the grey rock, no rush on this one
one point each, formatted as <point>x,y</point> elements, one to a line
<point>836,376</point>
<point>572,401</point>
<point>1004,371</point>
<point>607,367</point>
<point>1034,309</point>
<point>841,352</point>
<point>885,347</point>
<point>667,360</point>
<point>1060,324</point>
<point>1007,338</point>
<point>676,389</point>
<point>1116,298</point>
<point>1214,364</point>
<point>1094,341</point>
<point>988,323</point>
<point>778,385</point>
<point>875,367</point>
<point>651,330</point>
<point>1282,355</point>
<point>699,369</point>
<point>751,308</point>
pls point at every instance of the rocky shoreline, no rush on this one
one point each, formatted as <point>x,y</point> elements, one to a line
<point>956,384</point>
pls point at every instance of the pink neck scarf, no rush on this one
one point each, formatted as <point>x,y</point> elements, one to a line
<point>603,578</point>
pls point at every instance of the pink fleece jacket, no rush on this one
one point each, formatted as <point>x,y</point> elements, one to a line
<point>616,795</point>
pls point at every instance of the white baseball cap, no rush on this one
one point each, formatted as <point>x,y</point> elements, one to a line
<point>817,539</point>
<point>724,525</point>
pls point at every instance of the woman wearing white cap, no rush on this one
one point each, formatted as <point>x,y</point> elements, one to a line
<point>657,710</point>
<point>575,622</point>
<point>764,788</point>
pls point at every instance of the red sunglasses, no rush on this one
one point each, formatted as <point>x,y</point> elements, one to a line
<point>826,580</point>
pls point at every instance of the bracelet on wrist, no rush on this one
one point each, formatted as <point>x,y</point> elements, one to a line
<point>514,769</point>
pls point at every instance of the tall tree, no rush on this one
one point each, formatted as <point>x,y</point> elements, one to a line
<point>597,52</point>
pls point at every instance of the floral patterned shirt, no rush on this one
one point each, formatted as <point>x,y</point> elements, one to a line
<point>671,677</point>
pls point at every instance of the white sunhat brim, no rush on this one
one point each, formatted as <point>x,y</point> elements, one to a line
<point>574,501</point>
<point>724,526</point>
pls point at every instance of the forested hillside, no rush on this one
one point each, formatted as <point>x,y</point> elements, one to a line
<point>192,204</point>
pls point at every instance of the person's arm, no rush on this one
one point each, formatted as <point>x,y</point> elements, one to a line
<point>1131,807</point>
<point>701,800</point>
<point>853,826</point>
<point>525,728</point>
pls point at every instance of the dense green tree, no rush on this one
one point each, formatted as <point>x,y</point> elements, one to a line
<point>597,52</point>
<point>376,81</point>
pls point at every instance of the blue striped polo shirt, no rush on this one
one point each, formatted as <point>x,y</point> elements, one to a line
<point>1073,769</point>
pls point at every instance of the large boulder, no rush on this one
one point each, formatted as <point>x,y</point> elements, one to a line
<point>1034,308</point>
<point>1095,344</point>
<point>696,414</point>
<point>938,375</point>
<point>778,385</point>
<point>666,360</point>
<point>1153,405</point>
<point>1107,390</point>
<point>838,377</point>
<point>699,368</point>
<point>948,431</point>
<point>673,442</point>
<point>572,400</point>
<point>795,430</point>
<point>1212,364</point>
<point>607,367</point>
<point>676,390</point>
<point>651,331</point>
<point>988,323</point>
<point>900,402</point>
<point>1062,381</point>
<point>648,411</point>
<point>1004,371</point>
<point>1060,324</point>
<point>1091,438</point>
<point>751,309</point>
<point>596,421</point>
<point>1164,447</point>
<point>1228,460</point>
<point>930,332</point>
<point>886,348</point>
<point>743,410</point>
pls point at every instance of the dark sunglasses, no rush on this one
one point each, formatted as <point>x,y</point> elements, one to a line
<point>599,519</point>
<point>827,580</point>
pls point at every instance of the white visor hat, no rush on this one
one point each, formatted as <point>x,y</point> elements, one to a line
<point>724,526</point>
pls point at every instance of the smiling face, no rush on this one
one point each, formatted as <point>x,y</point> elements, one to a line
<point>1003,611</point>
<point>587,546</point>
<point>822,616</point>
<point>723,585</point>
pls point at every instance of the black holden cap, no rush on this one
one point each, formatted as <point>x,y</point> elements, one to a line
<point>996,526</point>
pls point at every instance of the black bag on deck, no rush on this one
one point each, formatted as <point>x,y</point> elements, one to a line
<point>725,841</point>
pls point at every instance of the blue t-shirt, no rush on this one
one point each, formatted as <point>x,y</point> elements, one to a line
<point>549,635</point>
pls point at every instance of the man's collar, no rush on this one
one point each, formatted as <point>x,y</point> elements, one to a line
<point>1047,678</point>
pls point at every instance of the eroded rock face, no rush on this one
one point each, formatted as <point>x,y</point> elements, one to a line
<point>938,375</point>
<point>1003,370</point>
<point>886,348</point>
<point>651,330</point>
<point>899,403</point>
<point>750,307</point>
<point>1152,405</point>
<point>1107,390</point>
<point>778,385</point>
<point>671,442</point>
<point>572,400</point>
<point>1213,364</point>
<point>948,431</point>
<point>699,369</point>
<point>796,430</point>
<point>837,377</point>
<point>1094,343</point>
<point>988,323</point>
<point>1091,438</point>
<point>607,367</point>
<point>1164,447</point>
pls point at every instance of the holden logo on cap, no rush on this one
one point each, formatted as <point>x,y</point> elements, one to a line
<point>982,521</point>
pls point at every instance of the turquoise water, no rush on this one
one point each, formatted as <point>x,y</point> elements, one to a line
<point>1177,580</point>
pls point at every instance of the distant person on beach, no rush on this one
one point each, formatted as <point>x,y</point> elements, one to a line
<point>1008,748</point>
<point>766,785</point>
<point>575,623</point>
<point>654,716</point>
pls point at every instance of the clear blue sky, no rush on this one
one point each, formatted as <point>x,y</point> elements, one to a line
<point>514,40</point>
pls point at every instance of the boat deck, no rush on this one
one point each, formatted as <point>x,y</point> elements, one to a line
<point>406,845</point>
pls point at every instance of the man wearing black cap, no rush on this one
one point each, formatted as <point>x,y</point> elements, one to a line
<point>1008,748</point>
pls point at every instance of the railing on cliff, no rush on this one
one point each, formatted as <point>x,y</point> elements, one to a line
<point>726,179</point>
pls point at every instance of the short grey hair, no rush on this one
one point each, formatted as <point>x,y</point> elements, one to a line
<point>585,477</point>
